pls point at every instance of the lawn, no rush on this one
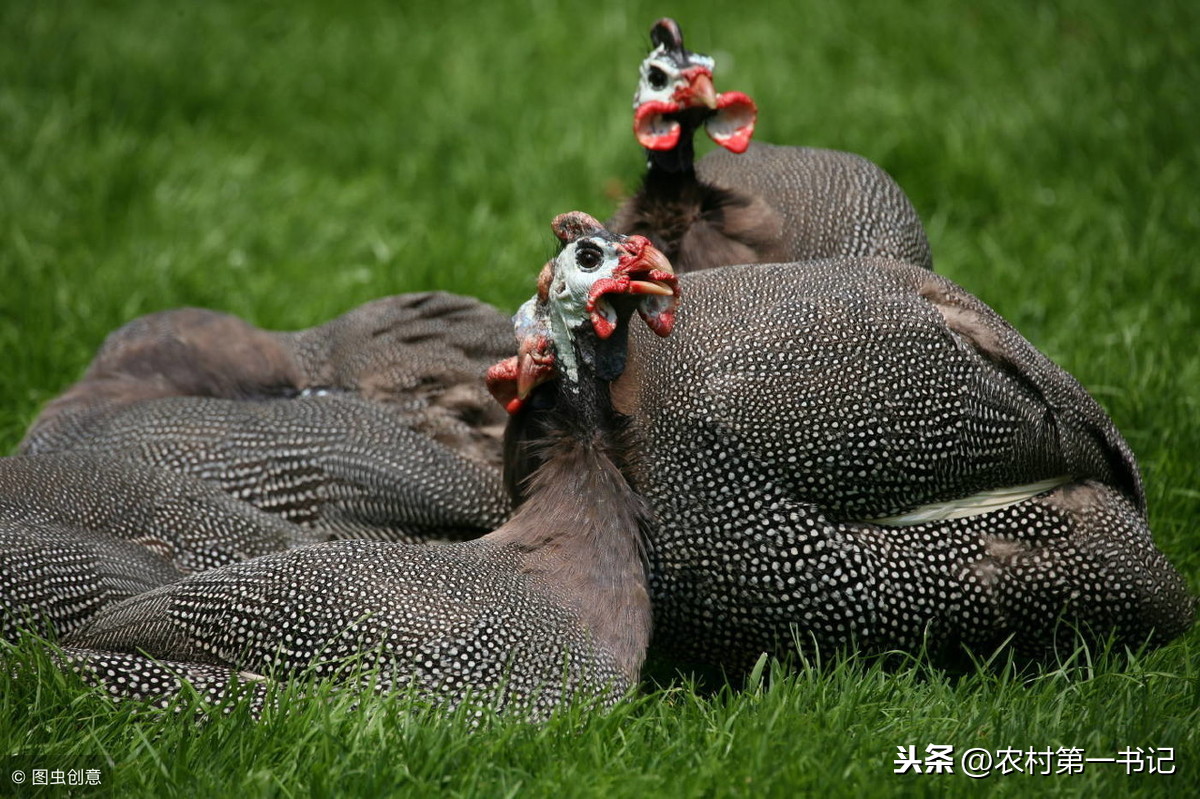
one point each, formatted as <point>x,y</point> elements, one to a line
<point>286,163</point>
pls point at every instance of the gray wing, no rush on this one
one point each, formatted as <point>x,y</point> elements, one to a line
<point>423,355</point>
<point>54,577</point>
<point>450,620</point>
<point>185,522</point>
<point>187,352</point>
<point>80,531</point>
<point>861,386</point>
<point>376,423</point>
<point>322,609</point>
<point>336,464</point>
<point>830,203</point>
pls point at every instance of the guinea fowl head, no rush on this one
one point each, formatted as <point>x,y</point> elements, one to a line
<point>675,96</point>
<point>586,295</point>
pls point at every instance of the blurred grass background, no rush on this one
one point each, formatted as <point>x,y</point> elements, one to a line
<point>286,162</point>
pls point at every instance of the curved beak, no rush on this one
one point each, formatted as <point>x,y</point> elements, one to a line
<point>699,90</point>
<point>641,269</point>
<point>648,269</point>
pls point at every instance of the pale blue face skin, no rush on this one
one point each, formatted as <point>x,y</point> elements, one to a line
<point>574,293</point>
<point>576,270</point>
<point>526,321</point>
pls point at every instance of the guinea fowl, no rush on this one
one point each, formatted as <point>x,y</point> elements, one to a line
<point>858,453</point>
<point>374,424</point>
<point>749,203</point>
<point>551,605</point>
<point>79,531</point>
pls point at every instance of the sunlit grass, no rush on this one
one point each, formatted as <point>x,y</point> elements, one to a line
<point>287,162</point>
<point>831,727</point>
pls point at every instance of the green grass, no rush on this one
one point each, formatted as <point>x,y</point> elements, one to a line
<point>286,163</point>
<point>830,729</point>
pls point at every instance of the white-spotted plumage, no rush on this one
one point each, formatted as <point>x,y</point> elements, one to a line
<point>80,531</point>
<point>747,202</point>
<point>796,402</point>
<point>551,606</point>
<point>375,424</point>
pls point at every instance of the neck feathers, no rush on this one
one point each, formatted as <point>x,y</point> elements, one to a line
<point>580,532</point>
<point>700,225</point>
<point>680,159</point>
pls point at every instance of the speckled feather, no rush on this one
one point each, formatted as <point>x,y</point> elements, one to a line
<point>768,204</point>
<point>79,531</point>
<point>830,203</point>
<point>868,393</point>
<point>441,618</point>
<point>163,684</point>
<point>796,402</point>
<point>375,424</point>
<point>552,605</point>
<point>420,355</point>
<point>337,464</point>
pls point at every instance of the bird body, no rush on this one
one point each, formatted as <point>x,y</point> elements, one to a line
<point>857,453</point>
<point>552,605</point>
<point>830,203</point>
<point>375,424</point>
<point>80,531</point>
<point>750,203</point>
<point>836,447</point>
<point>337,464</point>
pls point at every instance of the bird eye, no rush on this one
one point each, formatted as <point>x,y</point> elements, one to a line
<point>658,78</point>
<point>588,256</point>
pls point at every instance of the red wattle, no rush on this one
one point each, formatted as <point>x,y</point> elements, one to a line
<point>602,326</point>
<point>607,285</point>
<point>652,130</point>
<point>662,322</point>
<point>501,381</point>
<point>733,125</point>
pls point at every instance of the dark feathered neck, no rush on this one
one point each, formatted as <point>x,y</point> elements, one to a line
<point>672,204</point>
<point>580,529</point>
<point>577,408</point>
<point>679,160</point>
<point>696,224</point>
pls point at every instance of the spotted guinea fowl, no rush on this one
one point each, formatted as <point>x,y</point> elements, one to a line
<point>374,424</point>
<point>749,203</point>
<point>79,531</point>
<point>551,605</point>
<point>858,453</point>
